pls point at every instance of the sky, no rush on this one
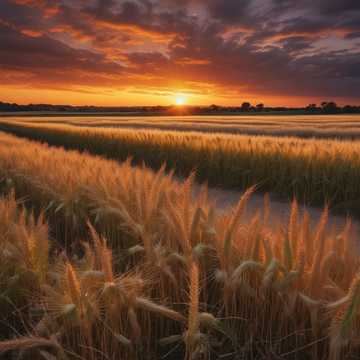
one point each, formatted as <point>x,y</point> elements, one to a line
<point>159,52</point>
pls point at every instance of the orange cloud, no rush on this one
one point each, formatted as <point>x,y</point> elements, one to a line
<point>138,31</point>
<point>190,61</point>
<point>31,33</point>
<point>47,10</point>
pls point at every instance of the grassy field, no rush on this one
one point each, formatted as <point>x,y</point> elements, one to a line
<point>103,260</point>
<point>315,171</point>
<point>305,126</point>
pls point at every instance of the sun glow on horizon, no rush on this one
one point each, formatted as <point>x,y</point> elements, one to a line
<point>180,100</point>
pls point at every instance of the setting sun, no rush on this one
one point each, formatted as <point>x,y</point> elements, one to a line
<point>180,100</point>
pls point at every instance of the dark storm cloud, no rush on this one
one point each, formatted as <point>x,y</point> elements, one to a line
<point>142,14</point>
<point>231,10</point>
<point>353,35</point>
<point>20,16</point>
<point>296,43</point>
<point>337,6</point>
<point>125,12</point>
<point>303,24</point>
<point>284,47</point>
<point>43,54</point>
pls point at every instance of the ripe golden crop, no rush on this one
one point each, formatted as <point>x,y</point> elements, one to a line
<point>134,266</point>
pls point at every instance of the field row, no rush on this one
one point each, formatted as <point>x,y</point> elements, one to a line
<point>319,126</point>
<point>315,171</point>
<point>140,269</point>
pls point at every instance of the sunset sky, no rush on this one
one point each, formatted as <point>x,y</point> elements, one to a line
<point>149,52</point>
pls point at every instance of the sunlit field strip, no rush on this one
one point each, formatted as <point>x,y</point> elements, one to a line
<point>319,126</point>
<point>148,269</point>
<point>315,171</point>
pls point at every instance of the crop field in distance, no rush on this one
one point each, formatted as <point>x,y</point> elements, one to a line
<point>320,126</point>
<point>315,171</point>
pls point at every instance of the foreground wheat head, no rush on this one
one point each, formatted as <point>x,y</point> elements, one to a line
<point>118,261</point>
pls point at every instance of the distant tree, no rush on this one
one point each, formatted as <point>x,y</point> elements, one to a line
<point>351,109</point>
<point>245,106</point>
<point>260,107</point>
<point>214,107</point>
<point>311,108</point>
<point>329,107</point>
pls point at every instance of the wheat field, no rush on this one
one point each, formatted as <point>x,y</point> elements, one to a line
<point>304,126</point>
<point>315,171</point>
<point>104,260</point>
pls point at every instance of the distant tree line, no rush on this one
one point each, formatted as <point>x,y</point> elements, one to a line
<point>330,107</point>
<point>70,108</point>
<point>326,107</point>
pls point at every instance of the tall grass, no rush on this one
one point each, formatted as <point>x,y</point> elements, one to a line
<point>314,171</point>
<point>138,268</point>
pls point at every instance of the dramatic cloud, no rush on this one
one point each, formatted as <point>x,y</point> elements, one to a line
<point>221,51</point>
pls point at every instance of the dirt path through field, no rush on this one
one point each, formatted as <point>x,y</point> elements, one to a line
<point>279,210</point>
